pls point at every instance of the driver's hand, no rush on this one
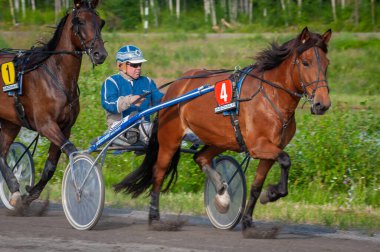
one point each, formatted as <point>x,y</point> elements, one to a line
<point>134,98</point>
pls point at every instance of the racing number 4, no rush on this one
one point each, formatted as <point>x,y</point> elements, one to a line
<point>223,93</point>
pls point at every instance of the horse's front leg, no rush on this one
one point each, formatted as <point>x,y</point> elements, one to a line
<point>47,174</point>
<point>8,133</point>
<point>57,138</point>
<point>268,153</point>
<point>274,192</point>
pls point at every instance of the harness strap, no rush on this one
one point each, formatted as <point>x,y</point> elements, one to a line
<point>238,135</point>
<point>235,78</point>
<point>20,111</point>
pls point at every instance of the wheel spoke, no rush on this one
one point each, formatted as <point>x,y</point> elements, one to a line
<point>20,161</point>
<point>231,171</point>
<point>83,206</point>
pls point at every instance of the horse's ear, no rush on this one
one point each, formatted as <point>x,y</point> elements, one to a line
<point>326,36</point>
<point>94,3</point>
<point>305,35</point>
<point>77,3</point>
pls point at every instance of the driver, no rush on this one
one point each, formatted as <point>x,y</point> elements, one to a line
<point>121,90</point>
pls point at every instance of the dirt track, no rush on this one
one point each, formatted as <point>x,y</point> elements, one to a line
<point>127,230</point>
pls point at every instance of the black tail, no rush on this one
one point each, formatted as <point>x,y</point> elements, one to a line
<point>141,179</point>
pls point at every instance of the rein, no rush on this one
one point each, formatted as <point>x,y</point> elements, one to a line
<point>292,93</point>
<point>210,73</point>
<point>17,53</point>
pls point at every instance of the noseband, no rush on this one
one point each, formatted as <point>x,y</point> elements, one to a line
<point>310,97</point>
<point>87,49</point>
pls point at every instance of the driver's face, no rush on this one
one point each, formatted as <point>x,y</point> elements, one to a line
<point>130,69</point>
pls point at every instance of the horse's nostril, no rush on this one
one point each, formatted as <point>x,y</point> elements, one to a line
<point>317,105</point>
<point>96,55</point>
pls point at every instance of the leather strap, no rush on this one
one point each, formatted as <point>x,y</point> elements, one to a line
<point>20,111</point>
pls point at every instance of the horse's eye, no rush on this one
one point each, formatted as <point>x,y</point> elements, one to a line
<point>305,63</point>
<point>77,21</point>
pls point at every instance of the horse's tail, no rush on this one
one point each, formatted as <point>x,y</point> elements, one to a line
<point>142,178</point>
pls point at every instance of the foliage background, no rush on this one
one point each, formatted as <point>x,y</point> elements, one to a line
<point>335,157</point>
<point>264,15</point>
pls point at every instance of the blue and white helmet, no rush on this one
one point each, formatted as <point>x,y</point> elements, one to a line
<point>130,53</point>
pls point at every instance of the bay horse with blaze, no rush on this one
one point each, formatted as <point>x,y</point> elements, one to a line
<point>269,96</point>
<point>50,93</point>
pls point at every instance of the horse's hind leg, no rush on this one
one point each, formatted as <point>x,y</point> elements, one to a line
<point>168,157</point>
<point>169,137</point>
<point>256,187</point>
<point>204,159</point>
<point>8,133</point>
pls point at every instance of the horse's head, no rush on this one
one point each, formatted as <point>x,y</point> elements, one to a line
<point>86,30</point>
<point>311,69</point>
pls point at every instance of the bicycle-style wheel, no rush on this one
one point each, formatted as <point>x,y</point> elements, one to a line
<point>83,193</point>
<point>20,161</point>
<point>232,173</point>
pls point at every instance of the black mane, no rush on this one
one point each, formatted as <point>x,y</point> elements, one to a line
<point>39,54</point>
<point>272,57</point>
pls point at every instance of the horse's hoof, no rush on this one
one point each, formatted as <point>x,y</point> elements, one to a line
<point>29,199</point>
<point>168,225</point>
<point>15,200</point>
<point>222,202</point>
<point>264,198</point>
<point>28,188</point>
<point>262,233</point>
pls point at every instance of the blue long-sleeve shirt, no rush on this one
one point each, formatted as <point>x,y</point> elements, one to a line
<point>116,86</point>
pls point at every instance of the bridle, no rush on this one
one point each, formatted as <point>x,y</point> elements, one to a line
<point>76,28</point>
<point>310,97</point>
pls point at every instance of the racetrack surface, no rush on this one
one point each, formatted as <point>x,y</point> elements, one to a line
<point>127,230</point>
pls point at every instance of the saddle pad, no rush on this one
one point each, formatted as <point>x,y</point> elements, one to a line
<point>238,90</point>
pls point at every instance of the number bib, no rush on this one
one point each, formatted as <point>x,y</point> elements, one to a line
<point>8,74</point>
<point>223,95</point>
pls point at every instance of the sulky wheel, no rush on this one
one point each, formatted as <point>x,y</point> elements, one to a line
<point>20,161</point>
<point>231,173</point>
<point>83,192</point>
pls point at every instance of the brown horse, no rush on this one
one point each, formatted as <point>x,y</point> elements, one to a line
<point>269,96</point>
<point>49,103</point>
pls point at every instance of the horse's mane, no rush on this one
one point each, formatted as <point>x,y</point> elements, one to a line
<point>273,56</point>
<point>39,54</point>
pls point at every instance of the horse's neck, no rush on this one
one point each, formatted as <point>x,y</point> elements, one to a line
<point>282,76</point>
<point>67,66</point>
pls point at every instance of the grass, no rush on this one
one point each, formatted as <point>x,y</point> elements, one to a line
<point>355,114</point>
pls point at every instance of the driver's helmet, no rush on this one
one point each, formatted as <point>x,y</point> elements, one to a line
<point>131,54</point>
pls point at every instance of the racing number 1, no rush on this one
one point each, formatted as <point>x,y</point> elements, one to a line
<point>8,73</point>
